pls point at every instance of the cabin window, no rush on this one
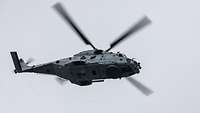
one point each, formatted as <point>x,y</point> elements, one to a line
<point>57,61</point>
<point>92,57</point>
<point>83,57</point>
<point>78,62</point>
<point>70,58</point>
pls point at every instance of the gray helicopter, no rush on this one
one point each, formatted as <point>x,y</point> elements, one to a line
<point>89,66</point>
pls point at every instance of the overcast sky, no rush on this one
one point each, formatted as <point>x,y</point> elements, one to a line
<point>168,50</point>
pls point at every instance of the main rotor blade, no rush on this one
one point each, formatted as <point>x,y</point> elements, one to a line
<point>145,90</point>
<point>139,25</point>
<point>63,13</point>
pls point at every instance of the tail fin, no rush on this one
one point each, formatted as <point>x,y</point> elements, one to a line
<point>16,62</point>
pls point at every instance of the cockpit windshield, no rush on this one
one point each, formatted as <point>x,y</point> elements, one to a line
<point>120,54</point>
<point>130,60</point>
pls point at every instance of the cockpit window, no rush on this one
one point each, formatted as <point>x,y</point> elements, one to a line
<point>129,60</point>
<point>120,55</point>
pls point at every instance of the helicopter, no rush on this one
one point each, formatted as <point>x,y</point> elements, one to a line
<point>89,66</point>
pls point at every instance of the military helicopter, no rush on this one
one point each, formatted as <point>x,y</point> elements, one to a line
<point>89,66</point>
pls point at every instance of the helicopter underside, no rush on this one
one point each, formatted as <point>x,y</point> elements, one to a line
<point>85,74</point>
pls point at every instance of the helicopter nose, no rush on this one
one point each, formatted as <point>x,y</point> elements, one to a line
<point>136,66</point>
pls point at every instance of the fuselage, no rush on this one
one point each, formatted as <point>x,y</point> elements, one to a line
<point>88,66</point>
<point>91,65</point>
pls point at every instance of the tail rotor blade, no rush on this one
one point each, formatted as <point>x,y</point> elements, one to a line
<point>145,90</point>
<point>61,81</point>
<point>30,60</point>
<point>63,13</point>
<point>139,25</point>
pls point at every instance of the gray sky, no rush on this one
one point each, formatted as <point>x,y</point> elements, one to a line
<point>167,50</point>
